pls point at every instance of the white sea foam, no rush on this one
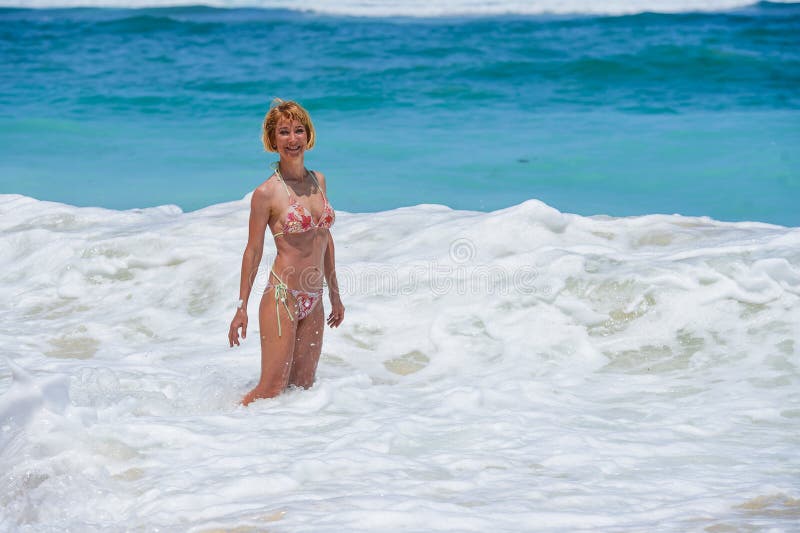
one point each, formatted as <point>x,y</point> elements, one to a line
<point>523,369</point>
<point>423,8</point>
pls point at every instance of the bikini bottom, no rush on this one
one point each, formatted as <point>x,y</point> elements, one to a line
<point>304,301</point>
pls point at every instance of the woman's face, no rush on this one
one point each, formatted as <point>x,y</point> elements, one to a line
<point>291,138</point>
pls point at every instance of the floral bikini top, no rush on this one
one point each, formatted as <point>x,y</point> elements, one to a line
<point>298,218</point>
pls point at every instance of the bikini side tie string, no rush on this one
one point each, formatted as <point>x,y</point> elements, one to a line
<point>281,294</point>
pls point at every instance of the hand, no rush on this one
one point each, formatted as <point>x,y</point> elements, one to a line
<point>337,313</point>
<point>239,321</point>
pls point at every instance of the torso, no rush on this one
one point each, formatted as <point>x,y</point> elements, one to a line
<point>300,220</point>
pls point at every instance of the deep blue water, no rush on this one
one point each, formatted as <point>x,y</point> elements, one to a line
<point>692,113</point>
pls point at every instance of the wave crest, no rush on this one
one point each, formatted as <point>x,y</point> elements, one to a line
<point>424,8</point>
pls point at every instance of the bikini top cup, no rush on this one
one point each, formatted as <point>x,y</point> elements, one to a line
<point>299,219</point>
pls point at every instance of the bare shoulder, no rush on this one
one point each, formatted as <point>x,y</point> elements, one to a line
<point>263,197</point>
<point>264,194</point>
<point>321,179</point>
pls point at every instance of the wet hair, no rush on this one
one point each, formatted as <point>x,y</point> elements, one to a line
<point>290,110</point>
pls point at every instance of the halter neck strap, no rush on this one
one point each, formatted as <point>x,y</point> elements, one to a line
<point>313,176</point>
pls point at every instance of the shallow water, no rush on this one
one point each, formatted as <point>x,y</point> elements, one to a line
<point>517,369</point>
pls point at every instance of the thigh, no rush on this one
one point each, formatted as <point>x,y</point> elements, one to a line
<point>277,350</point>
<point>307,348</point>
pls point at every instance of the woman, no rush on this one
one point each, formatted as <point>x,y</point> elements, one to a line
<point>294,205</point>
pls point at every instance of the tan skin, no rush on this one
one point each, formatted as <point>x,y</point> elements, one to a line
<point>303,260</point>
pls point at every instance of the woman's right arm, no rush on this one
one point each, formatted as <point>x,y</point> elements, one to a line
<point>259,217</point>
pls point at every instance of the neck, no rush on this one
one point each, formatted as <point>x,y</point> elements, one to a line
<point>292,170</point>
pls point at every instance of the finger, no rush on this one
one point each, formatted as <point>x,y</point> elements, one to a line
<point>244,331</point>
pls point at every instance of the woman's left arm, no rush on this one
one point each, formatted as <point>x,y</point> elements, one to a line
<point>337,309</point>
<point>329,265</point>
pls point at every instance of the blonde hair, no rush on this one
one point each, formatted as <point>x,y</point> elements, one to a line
<point>290,110</point>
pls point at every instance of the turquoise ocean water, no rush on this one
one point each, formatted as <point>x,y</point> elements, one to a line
<point>691,113</point>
